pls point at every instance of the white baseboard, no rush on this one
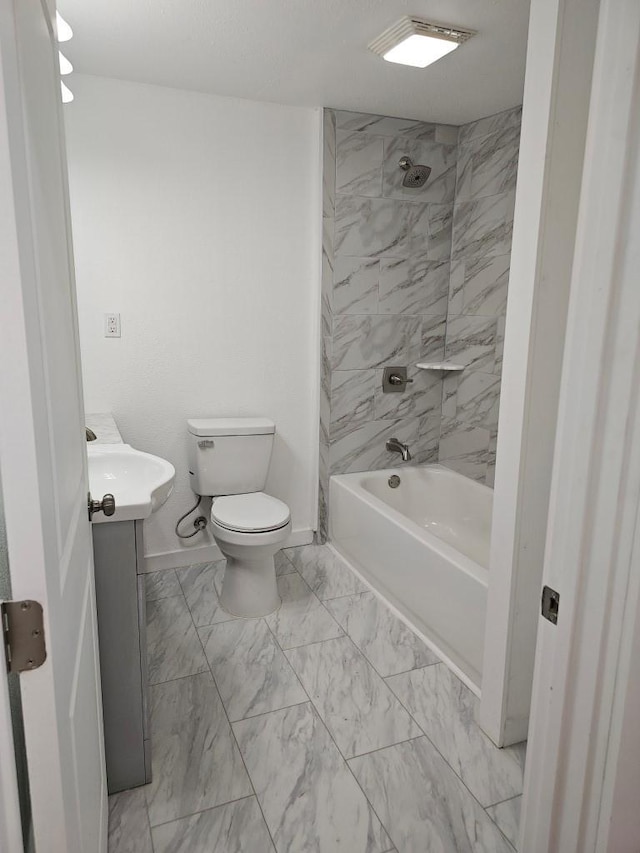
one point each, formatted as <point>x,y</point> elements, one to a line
<point>208,553</point>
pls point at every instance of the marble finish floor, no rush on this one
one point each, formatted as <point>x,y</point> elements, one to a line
<point>325,727</point>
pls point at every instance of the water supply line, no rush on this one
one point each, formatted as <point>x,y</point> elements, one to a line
<point>200,522</point>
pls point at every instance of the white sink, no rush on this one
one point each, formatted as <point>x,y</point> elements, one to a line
<point>139,482</point>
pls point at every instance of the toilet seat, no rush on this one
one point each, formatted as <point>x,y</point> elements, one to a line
<point>255,512</point>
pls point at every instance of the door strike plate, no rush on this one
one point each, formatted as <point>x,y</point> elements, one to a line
<point>550,604</point>
<point>23,632</point>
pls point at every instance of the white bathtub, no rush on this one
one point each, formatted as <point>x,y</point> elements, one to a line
<point>425,547</point>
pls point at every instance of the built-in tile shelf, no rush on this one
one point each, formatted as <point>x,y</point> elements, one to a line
<point>447,366</point>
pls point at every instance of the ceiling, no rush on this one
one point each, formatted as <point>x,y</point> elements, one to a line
<point>305,52</point>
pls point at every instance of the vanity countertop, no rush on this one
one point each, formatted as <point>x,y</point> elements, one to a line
<point>105,428</point>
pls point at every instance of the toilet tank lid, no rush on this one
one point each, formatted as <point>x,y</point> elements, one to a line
<point>231,426</point>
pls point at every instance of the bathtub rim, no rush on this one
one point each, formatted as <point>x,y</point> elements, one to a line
<point>351,482</point>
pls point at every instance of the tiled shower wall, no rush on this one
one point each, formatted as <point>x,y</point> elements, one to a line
<point>396,290</point>
<point>480,255</point>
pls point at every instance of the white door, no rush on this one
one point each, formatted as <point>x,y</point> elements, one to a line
<point>582,744</point>
<point>42,448</point>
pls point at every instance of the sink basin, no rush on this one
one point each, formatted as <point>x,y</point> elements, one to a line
<point>140,482</point>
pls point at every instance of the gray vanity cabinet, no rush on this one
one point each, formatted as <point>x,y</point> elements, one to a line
<point>120,595</point>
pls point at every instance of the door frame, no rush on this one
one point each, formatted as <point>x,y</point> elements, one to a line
<point>560,56</point>
<point>10,822</point>
<point>584,671</point>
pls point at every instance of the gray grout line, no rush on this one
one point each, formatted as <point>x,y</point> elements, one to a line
<point>235,740</point>
<point>413,669</point>
<point>344,565</point>
<point>313,642</point>
<point>321,603</point>
<point>500,802</point>
<point>322,722</point>
<point>367,800</point>
<point>359,650</point>
<point>362,652</point>
<point>456,774</point>
<point>347,595</point>
<point>384,677</point>
<point>177,678</point>
<point>146,808</point>
<point>386,746</point>
<point>202,811</point>
<point>283,551</point>
<point>284,653</point>
<point>166,597</point>
<point>330,735</point>
<point>495,822</point>
<point>500,830</point>
<point>272,711</point>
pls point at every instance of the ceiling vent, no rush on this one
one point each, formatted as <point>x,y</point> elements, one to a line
<point>413,41</point>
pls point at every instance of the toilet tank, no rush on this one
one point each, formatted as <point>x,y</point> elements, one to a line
<point>229,456</point>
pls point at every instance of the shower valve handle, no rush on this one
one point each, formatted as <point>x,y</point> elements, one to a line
<point>394,379</point>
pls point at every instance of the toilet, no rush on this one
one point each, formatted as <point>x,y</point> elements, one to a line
<point>229,460</point>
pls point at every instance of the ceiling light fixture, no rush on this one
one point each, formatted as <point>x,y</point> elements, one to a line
<point>63,30</point>
<point>412,41</point>
<point>65,66</point>
<point>67,94</point>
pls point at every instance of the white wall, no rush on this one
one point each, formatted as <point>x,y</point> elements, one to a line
<point>197,218</point>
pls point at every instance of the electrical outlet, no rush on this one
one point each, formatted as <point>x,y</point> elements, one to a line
<point>112,325</point>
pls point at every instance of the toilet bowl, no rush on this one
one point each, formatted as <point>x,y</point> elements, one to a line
<point>229,460</point>
<point>250,529</point>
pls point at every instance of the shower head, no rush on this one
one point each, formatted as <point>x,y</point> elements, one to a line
<point>416,176</point>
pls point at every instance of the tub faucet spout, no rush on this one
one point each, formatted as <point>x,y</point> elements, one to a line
<point>396,446</point>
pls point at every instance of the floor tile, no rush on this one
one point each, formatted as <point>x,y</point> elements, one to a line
<point>234,828</point>
<point>195,760</point>
<point>128,823</point>
<point>326,573</point>
<point>507,817</point>
<point>383,638</point>
<point>445,710</point>
<point>173,647</point>
<point>201,585</point>
<point>161,585</point>
<point>301,617</point>
<point>250,670</point>
<point>423,804</point>
<point>356,705</point>
<point>310,800</point>
<point>284,566</point>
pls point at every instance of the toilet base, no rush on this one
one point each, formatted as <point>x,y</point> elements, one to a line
<point>249,587</point>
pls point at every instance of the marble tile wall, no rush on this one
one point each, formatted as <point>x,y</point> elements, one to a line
<point>386,260</point>
<point>487,162</point>
<point>408,275</point>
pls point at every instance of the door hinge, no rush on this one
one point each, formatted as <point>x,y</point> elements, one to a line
<point>23,633</point>
<point>550,604</point>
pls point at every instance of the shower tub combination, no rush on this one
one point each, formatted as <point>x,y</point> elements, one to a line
<point>424,546</point>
